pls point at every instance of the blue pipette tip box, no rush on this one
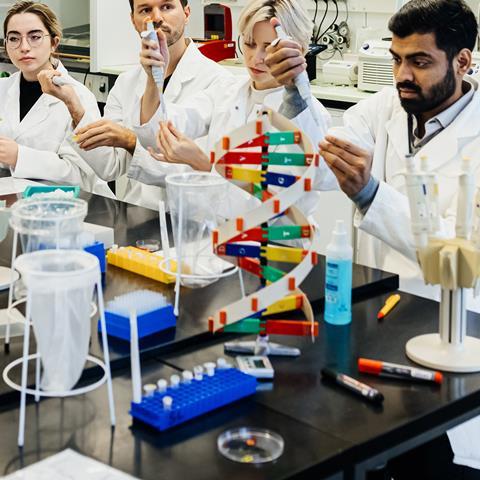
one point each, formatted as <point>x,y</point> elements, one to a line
<point>98,249</point>
<point>148,323</point>
<point>33,189</point>
<point>194,399</point>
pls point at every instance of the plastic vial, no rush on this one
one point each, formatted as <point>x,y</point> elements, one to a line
<point>198,372</point>
<point>222,364</point>
<point>162,385</point>
<point>187,376</point>
<point>174,381</point>
<point>210,368</point>
<point>167,402</point>
<point>338,278</point>
<point>149,389</point>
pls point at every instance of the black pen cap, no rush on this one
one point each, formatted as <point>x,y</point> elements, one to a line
<point>329,373</point>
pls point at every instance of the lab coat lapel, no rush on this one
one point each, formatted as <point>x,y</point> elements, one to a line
<point>38,114</point>
<point>397,131</point>
<point>238,114</point>
<point>12,104</point>
<point>185,71</point>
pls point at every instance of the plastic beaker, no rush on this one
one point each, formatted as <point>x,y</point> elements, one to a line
<point>194,200</point>
<point>48,223</point>
<point>60,286</point>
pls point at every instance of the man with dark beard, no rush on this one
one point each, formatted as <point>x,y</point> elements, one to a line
<point>433,113</point>
<point>110,145</point>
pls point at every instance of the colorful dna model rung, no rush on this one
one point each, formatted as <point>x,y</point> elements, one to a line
<point>245,157</point>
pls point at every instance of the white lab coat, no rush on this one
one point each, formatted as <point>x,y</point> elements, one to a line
<point>385,241</point>
<point>193,73</point>
<point>44,151</point>
<point>219,110</point>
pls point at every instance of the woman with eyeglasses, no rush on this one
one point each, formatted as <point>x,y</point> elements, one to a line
<point>35,126</point>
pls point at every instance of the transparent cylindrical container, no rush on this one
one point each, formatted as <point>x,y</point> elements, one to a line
<point>194,200</point>
<point>60,286</point>
<point>48,223</point>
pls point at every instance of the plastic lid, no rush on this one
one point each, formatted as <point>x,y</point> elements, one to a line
<point>250,445</point>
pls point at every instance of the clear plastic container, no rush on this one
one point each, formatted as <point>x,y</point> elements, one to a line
<point>250,445</point>
<point>48,223</point>
<point>194,200</point>
<point>60,287</point>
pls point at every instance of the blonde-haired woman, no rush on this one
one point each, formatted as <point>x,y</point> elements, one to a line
<point>231,103</point>
<point>34,126</point>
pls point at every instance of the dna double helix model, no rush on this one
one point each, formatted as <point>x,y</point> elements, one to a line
<point>250,157</point>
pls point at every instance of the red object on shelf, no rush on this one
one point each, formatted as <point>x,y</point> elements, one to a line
<point>217,50</point>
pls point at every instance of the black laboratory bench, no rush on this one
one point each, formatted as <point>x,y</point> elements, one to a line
<point>328,432</point>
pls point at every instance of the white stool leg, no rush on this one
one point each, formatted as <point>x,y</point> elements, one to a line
<point>23,392</point>
<point>37,377</point>
<point>10,291</point>
<point>106,355</point>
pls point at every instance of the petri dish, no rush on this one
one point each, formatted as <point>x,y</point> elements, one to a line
<point>149,244</point>
<point>250,445</point>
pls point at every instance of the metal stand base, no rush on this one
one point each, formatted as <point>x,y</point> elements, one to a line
<point>430,351</point>
<point>261,346</point>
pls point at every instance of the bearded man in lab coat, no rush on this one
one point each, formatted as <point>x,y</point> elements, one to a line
<point>110,145</point>
<point>434,112</point>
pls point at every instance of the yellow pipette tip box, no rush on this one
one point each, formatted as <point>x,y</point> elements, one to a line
<point>141,262</point>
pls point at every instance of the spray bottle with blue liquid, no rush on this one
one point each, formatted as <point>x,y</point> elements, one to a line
<point>338,277</point>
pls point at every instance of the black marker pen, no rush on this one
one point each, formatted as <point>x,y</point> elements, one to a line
<point>362,389</point>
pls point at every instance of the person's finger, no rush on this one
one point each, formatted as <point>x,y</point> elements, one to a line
<point>163,144</point>
<point>347,146</point>
<point>91,133</point>
<point>346,156</point>
<point>333,160</point>
<point>284,59</point>
<point>168,136</point>
<point>156,155</point>
<point>91,126</point>
<point>175,132</point>
<point>101,140</point>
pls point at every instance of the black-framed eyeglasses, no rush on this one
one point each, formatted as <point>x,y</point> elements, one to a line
<point>34,39</point>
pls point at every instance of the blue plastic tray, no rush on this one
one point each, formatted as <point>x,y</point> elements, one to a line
<point>148,323</point>
<point>194,399</point>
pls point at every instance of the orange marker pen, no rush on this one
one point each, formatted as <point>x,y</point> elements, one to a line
<point>389,304</point>
<point>393,370</point>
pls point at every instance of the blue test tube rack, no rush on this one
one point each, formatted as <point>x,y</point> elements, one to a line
<point>193,399</point>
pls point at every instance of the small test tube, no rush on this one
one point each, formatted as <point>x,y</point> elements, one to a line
<point>149,389</point>
<point>187,376</point>
<point>222,364</point>
<point>162,385</point>
<point>174,381</point>
<point>198,372</point>
<point>167,402</point>
<point>210,368</point>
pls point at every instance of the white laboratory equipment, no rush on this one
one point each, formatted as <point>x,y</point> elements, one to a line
<point>60,286</point>
<point>452,263</point>
<point>43,223</point>
<point>375,67</point>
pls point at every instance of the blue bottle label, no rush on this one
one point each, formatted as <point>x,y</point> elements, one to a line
<point>338,292</point>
